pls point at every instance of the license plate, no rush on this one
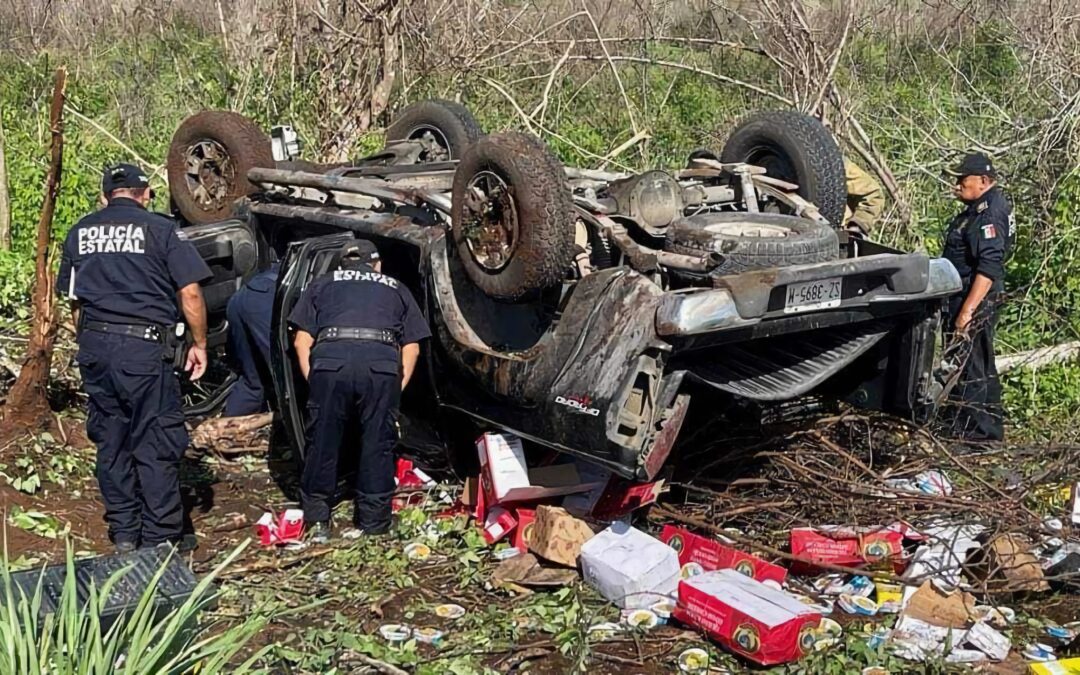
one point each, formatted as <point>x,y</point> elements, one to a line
<point>812,295</point>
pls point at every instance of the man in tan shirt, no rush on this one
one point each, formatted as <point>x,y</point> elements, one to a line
<point>865,199</point>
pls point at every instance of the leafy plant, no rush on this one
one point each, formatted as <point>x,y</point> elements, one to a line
<point>71,640</point>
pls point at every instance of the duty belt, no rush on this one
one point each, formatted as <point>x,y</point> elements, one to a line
<point>150,333</point>
<point>386,337</point>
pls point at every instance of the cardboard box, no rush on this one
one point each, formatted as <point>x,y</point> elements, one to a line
<point>710,555</point>
<point>504,476</point>
<point>1058,667</point>
<point>558,536</point>
<point>614,497</point>
<point>497,524</point>
<point>630,568</point>
<point>947,610</point>
<point>1006,563</point>
<point>849,548</point>
<point>761,623</point>
<point>523,532</point>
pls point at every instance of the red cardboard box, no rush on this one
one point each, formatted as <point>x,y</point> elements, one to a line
<point>504,476</point>
<point>747,617</point>
<point>847,547</point>
<point>614,496</point>
<point>709,555</point>
<point>497,524</point>
<point>525,518</point>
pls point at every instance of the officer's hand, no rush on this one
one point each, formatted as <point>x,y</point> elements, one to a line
<point>196,362</point>
<point>963,322</point>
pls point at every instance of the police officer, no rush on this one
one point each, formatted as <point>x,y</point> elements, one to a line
<point>249,314</point>
<point>124,268</point>
<point>365,328</point>
<point>977,242</point>
<point>865,200</point>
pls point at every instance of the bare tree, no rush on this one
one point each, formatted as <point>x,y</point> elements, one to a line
<point>27,406</point>
<point>5,202</point>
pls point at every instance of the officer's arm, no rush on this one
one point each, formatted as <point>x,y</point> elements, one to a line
<point>980,286</point>
<point>303,343</point>
<point>409,354</point>
<point>75,309</point>
<point>194,308</point>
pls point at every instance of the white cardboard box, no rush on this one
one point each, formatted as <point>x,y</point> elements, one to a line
<point>630,568</point>
<point>505,477</point>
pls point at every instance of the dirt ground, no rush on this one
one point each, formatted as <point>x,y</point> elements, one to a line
<point>347,590</point>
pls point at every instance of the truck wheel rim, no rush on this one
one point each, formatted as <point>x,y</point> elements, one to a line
<point>490,224</point>
<point>436,146</point>
<point>210,173</point>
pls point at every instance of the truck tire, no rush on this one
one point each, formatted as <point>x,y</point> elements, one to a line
<point>797,148</point>
<point>753,241</point>
<point>512,217</point>
<point>209,158</point>
<point>451,126</point>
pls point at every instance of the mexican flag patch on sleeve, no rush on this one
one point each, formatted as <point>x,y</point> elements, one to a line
<point>989,231</point>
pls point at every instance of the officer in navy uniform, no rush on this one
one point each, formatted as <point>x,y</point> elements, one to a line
<point>357,335</point>
<point>124,270</point>
<point>978,243</point>
<point>249,313</point>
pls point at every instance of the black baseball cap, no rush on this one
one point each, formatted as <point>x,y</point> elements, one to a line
<point>120,176</point>
<point>361,249</point>
<point>974,164</point>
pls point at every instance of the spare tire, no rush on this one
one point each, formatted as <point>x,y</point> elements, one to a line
<point>753,241</point>
<point>512,217</point>
<point>447,127</point>
<point>209,158</point>
<point>797,148</point>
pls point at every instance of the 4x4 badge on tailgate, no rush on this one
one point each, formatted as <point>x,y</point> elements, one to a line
<point>578,403</point>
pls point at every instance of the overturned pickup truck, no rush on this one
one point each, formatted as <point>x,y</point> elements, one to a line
<point>584,311</point>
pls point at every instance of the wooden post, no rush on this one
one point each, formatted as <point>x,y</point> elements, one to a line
<point>5,203</point>
<point>27,408</point>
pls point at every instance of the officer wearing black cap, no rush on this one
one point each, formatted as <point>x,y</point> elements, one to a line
<point>357,335</point>
<point>124,269</point>
<point>978,242</point>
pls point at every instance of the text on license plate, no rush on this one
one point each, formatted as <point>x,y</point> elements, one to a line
<point>812,295</point>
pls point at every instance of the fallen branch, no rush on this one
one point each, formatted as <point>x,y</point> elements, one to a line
<point>1037,358</point>
<point>275,565</point>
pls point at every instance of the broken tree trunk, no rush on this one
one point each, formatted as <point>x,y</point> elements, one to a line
<point>5,203</point>
<point>27,407</point>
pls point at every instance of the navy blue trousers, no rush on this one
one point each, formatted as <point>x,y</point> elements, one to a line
<point>250,313</point>
<point>137,423</point>
<point>977,413</point>
<point>355,389</point>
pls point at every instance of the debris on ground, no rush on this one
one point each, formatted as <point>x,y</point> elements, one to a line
<point>233,435</point>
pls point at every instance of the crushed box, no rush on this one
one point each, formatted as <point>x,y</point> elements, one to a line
<point>523,532</point>
<point>505,477</point>
<point>498,522</point>
<point>613,497</point>
<point>558,536</point>
<point>630,568</point>
<point>847,547</point>
<point>708,555</point>
<point>747,617</point>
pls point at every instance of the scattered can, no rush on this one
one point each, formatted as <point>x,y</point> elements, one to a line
<point>857,604</point>
<point>663,609</point>
<point>449,611</point>
<point>603,631</point>
<point>417,551</point>
<point>642,618</point>
<point>694,660</point>
<point>506,553</point>
<point>395,632</point>
<point>1039,652</point>
<point>429,636</point>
